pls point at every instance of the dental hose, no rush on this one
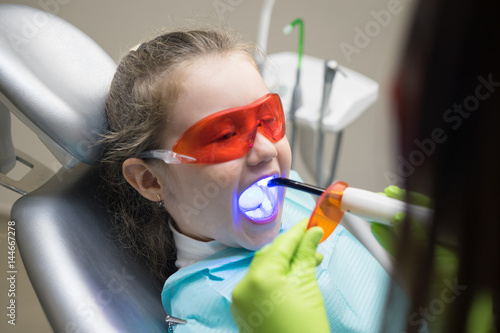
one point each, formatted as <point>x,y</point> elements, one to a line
<point>263,33</point>
<point>297,91</point>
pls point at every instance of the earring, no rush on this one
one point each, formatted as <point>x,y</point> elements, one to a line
<point>160,202</point>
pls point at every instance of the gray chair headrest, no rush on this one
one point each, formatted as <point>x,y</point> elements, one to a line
<point>57,78</point>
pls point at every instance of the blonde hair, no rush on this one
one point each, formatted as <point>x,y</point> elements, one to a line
<point>143,91</point>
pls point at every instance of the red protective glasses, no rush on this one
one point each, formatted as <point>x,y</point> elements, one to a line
<point>226,135</point>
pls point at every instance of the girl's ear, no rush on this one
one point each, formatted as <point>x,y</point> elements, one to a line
<point>142,177</point>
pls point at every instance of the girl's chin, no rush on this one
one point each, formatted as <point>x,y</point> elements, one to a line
<point>261,234</point>
<point>258,246</point>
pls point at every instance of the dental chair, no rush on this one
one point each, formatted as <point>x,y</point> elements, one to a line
<point>55,79</point>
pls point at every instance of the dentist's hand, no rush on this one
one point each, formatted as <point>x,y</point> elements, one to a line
<point>388,236</point>
<point>445,260</point>
<point>280,292</point>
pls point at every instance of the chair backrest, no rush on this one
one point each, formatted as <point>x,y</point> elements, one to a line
<point>55,79</point>
<point>81,277</point>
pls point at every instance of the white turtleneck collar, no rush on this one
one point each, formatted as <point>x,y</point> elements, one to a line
<point>190,250</point>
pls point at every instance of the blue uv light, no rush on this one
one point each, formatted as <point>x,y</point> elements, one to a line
<point>259,202</point>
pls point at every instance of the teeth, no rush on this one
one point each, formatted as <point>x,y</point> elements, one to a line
<point>258,201</point>
<point>251,198</point>
<point>258,213</point>
<point>267,207</point>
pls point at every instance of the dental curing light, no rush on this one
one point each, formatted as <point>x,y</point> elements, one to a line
<point>339,198</point>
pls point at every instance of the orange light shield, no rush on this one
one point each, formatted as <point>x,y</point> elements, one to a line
<point>327,213</point>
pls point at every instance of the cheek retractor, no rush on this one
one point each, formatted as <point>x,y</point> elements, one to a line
<point>339,198</point>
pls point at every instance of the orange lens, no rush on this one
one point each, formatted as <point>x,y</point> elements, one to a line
<point>229,134</point>
<point>327,213</point>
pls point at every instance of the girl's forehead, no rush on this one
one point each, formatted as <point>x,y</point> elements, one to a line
<point>214,84</point>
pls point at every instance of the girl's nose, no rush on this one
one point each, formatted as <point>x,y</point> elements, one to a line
<point>262,150</point>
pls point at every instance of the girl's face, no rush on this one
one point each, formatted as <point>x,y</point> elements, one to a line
<point>203,198</point>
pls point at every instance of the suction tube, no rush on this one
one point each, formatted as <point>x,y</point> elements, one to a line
<point>300,46</point>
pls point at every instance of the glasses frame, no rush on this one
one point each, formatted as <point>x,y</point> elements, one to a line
<point>171,157</point>
<point>166,156</point>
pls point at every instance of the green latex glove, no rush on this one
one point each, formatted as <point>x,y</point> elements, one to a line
<point>388,236</point>
<point>280,292</point>
<point>480,317</point>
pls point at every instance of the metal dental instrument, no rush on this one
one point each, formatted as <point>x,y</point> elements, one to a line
<point>335,158</point>
<point>297,91</point>
<point>338,141</point>
<point>330,71</point>
<point>172,322</point>
<point>331,68</point>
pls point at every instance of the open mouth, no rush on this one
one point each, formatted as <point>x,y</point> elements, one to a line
<point>259,203</point>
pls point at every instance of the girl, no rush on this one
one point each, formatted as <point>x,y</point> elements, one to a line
<point>194,137</point>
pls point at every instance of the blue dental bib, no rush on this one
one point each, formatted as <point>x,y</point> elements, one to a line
<point>353,284</point>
